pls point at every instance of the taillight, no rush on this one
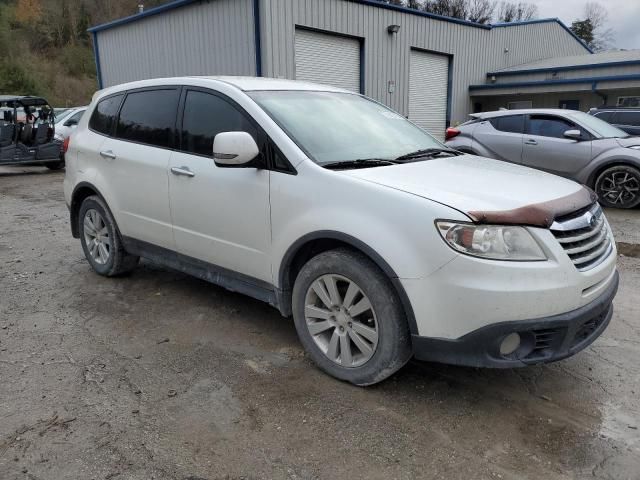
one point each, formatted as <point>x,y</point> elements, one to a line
<point>65,145</point>
<point>451,132</point>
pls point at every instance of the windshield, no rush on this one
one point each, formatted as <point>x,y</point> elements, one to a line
<point>597,126</point>
<point>341,127</point>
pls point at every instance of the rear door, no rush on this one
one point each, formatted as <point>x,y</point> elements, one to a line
<point>220,215</point>
<point>546,148</point>
<point>500,138</point>
<point>135,163</point>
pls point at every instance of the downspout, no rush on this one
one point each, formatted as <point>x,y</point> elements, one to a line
<point>603,96</point>
<point>96,54</point>
<point>257,40</point>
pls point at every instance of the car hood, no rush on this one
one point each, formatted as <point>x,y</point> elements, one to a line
<point>485,190</point>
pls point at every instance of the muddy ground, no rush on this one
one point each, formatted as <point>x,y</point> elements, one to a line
<point>162,376</point>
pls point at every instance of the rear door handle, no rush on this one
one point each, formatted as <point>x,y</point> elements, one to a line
<point>108,154</point>
<point>185,171</point>
<point>530,142</point>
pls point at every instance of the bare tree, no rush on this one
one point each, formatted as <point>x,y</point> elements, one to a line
<point>517,12</point>
<point>480,11</point>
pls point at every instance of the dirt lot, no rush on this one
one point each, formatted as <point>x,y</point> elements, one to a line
<point>162,376</point>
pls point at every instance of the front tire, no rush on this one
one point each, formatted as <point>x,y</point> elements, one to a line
<point>59,165</point>
<point>101,240</point>
<point>349,318</point>
<point>619,187</point>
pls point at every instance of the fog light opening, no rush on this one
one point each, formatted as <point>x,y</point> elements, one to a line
<point>509,344</point>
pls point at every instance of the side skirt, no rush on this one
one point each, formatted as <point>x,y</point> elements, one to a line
<point>232,281</point>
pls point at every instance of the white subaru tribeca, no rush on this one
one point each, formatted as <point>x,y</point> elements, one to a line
<point>380,241</point>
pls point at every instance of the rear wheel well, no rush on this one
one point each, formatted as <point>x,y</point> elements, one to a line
<point>76,201</point>
<point>298,255</point>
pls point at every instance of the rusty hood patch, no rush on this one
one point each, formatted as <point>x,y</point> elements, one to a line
<point>537,214</point>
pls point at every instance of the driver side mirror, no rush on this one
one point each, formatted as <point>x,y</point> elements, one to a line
<point>71,123</point>
<point>234,150</point>
<point>573,134</point>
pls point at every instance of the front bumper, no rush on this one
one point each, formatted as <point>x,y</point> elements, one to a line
<point>543,340</point>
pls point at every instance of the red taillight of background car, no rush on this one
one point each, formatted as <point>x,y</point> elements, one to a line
<point>451,132</point>
<point>65,145</point>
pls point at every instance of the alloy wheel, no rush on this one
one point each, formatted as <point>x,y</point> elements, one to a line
<point>96,237</point>
<point>620,188</point>
<point>341,320</point>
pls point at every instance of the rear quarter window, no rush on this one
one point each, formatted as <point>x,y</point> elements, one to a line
<point>104,116</point>
<point>510,123</point>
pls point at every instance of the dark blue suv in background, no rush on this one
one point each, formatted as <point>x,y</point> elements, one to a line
<point>625,118</point>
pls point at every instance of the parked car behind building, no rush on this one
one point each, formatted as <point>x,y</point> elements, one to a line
<point>625,118</point>
<point>565,142</point>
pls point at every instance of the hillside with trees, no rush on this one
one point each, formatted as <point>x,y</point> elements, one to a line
<point>45,48</point>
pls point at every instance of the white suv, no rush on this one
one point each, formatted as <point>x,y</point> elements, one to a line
<point>379,240</point>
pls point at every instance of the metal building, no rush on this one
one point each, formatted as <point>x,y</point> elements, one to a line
<point>576,83</point>
<point>417,63</point>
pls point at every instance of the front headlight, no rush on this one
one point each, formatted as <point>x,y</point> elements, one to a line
<point>495,242</point>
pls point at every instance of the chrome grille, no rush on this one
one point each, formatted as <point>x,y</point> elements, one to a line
<point>584,237</point>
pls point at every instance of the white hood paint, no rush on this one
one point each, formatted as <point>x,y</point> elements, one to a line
<point>469,183</point>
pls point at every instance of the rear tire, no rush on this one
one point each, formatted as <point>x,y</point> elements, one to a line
<point>619,187</point>
<point>101,240</point>
<point>349,318</point>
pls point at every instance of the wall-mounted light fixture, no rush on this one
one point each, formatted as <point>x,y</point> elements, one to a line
<point>391,29</point>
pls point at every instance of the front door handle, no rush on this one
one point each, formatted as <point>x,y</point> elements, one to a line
<point>108,154</point>
<point>531,141</point>
<point>185,171</point>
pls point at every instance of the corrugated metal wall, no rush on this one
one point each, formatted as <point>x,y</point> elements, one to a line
<point>386,57</point>
<point>568,74</point>
<point>208,38</point>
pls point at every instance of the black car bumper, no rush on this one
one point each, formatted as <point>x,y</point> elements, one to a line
<point>541,340</point>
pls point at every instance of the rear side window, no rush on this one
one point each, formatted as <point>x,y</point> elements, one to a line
<point>511,123</point>
<point>548,126</point>
<point>104,116</point>
<point>149,117</point>
<point>206,115</point>
<point>628,118</point>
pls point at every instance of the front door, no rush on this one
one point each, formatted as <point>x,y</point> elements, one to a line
<point>546,148</point>
<point>220,215</point>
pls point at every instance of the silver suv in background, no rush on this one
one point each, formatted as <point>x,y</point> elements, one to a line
<point>565,142</point>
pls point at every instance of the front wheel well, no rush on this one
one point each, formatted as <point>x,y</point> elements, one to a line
<point>615,163</point>
<point>313,244</point>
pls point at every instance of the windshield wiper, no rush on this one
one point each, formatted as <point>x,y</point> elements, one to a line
<point>358,163</point>
<point>428,152</point>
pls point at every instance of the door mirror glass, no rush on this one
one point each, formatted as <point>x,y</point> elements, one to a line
<point>573,134</point>
<point>234,149</point>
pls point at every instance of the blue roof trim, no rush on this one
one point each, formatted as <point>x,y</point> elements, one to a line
<point>546,20</point>
<point>620,63</point>
<point>565,81</point>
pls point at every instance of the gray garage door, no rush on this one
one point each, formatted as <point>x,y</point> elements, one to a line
<point>428,78</point>
<point>328,59</point>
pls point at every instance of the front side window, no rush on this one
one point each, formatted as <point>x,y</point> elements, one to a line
<point>75,118</point>
<point>548,126</point>
<point>149,117</point>
<point>104,116</point>
<point>606,116</point>
<point>206,115</point>
<point>341,127</point>
<point>511,123</point>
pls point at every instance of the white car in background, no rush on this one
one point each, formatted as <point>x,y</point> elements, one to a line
<point>380,241</point>
<point>67,120</point>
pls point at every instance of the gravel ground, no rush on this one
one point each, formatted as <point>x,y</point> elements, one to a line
<point>162,376</point>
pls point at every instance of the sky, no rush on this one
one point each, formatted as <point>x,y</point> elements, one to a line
<point>624,17</point>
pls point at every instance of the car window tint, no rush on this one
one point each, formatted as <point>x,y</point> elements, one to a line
<point>548,126</point>
<point>511,123</point>
<point>76,117</point>
<point>206,115</point>
<point>103,117</point>
<point>606,116</point>
<point>149,117</point>
<point>628,118</point>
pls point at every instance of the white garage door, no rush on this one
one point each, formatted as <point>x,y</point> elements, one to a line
<point>328,59</point>
<point>428,78</point>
